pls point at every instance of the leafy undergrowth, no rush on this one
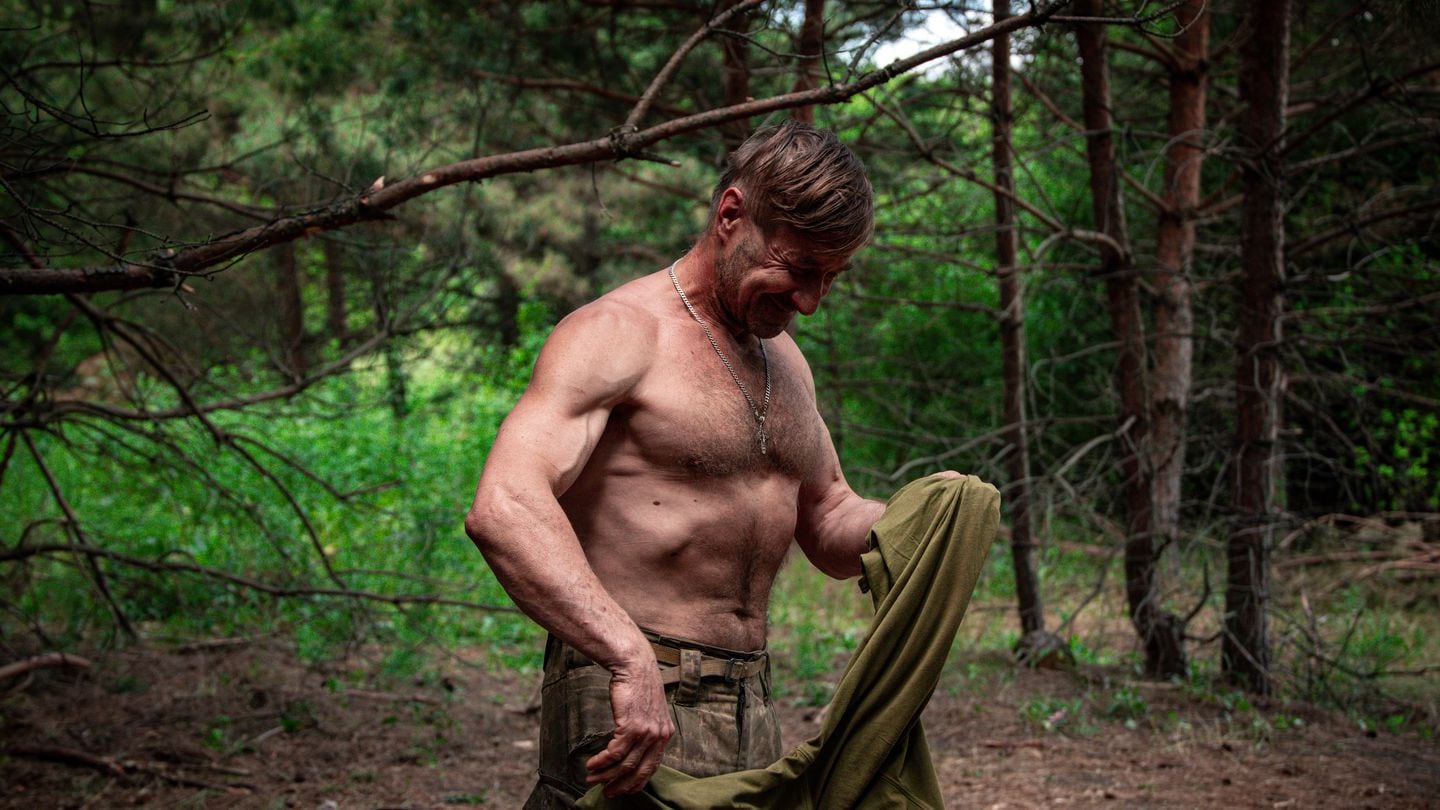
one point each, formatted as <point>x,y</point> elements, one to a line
<point>250,725</point>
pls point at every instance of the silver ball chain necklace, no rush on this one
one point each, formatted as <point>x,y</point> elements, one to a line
<point>759,412</point>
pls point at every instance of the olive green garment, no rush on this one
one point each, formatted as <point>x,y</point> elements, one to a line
<point>925,557</point>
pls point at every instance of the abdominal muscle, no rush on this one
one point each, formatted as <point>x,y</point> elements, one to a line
<point>688,556</point>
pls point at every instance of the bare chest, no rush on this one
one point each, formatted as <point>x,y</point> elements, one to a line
<point>692,417</point>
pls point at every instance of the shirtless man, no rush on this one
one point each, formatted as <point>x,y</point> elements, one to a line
<point>666,454</point>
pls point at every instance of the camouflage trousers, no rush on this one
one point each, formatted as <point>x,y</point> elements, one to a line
<point>722,724</point>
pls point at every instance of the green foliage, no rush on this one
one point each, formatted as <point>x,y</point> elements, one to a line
<point>1126,705</point>
<point>1059,715</point>
<point>220,735</point>
<point>1404,462</point>
<point>817,622</point>
<point>297,715</point>
<point>396,533</point>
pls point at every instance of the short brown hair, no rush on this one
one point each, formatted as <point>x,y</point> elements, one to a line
<point>794,175</point>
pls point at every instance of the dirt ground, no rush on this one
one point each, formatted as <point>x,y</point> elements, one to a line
<point>247,726</point>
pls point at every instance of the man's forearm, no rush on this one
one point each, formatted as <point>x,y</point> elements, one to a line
<point>529,543</point>
<point>534,552</point>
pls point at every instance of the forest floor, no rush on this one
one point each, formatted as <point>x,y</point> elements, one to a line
<point>249,726</point>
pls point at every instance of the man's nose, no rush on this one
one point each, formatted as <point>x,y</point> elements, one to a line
<point>807,298</point>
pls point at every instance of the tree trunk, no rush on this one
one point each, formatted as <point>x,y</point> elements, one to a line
<point>1012,341</point>
<point>1264,81</point>
<point>1174,344</point>
<point>812,41</point>
<point>396,377</point>
<point>292,310</point>
<point>1160,633</point>
<point>736,78</point>
<point>336,315</point>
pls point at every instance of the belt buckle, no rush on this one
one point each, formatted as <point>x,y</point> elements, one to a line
<point>730,670</point>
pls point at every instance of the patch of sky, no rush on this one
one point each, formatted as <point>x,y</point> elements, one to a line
<point>934,26</point>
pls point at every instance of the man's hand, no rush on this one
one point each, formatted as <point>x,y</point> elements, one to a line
<point>642,727</point>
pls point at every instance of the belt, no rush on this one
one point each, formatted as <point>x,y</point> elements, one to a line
<point>681,662</point>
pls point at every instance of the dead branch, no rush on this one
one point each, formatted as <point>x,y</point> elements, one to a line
<point>1377,87</point>
<point>171,193</point>
<point>632,121</point>
<point>48,660</point>
<point>294,464</point>
<point>1427,562</point>
<point>1363,312</point>
<point>1137,21</point>
<point>193,408</point>
<point>1353,556</point>
<point>1333,158</point>
<point>1350,380</point>
<point>1354,226</point>
<point>168,266</point>
<point>315,543</point>
<point>965,306</point>
<point>206,645</point>
<point>688,194</point>
<point>1158,55</point>
<point>1061,231</point>
<point>391,697</point>
<point>1049,103</point>
<point>107,323</point>
<point>572,85</point>
<point>67,756</point>
<point>118,767</point>
<point>163,566</point>
<point>1099,586</point>
<point>934,255</point>
<point>1331,520</point>
<point>82,545</point>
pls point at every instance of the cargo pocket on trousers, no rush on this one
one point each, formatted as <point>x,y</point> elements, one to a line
<point>576,724</point>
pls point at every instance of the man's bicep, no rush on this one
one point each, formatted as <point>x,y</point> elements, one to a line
<point>832,520</point>
<point>559,420</point>
<point>544,440</point>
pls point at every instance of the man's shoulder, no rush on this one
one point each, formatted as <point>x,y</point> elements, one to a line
<point>606,345</point>
<point>788,351</point>
<point>622,317</point>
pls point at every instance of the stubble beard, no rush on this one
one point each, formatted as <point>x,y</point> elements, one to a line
<point>730,272</point>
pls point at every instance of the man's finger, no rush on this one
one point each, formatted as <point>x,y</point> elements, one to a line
<point>633,778</point>
<point>621,757</point>
<point>625,759</point>
<point>612,757</point>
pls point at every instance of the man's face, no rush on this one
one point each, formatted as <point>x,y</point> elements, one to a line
<point>763,282</point>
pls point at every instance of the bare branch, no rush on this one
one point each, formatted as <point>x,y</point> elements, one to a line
<point>632,121</point>
<point>1135,21</point>
<point>81,545</point>
<point>1377,87</point>
<point>172,193</point>
<point>1353,226</point>
<point>373,204</point>
<point>1060,230</point>
<point>574,85</point>
<point>49,660</point>
<point>167,566</point>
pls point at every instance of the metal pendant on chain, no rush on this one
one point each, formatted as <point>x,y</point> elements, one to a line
<point>760,412</point>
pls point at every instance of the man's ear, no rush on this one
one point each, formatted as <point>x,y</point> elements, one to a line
<point>730,213</point>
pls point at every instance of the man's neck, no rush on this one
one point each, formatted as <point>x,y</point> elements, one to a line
<point>697,273</point>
